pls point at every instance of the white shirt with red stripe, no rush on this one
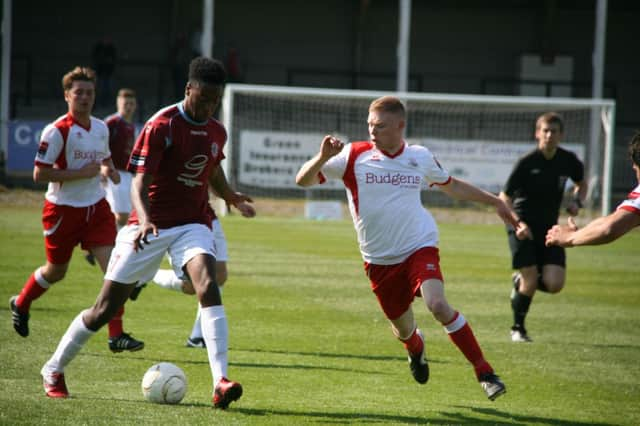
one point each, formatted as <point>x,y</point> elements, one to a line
<point>632,203</point>
<point>66,144</point>
<point>384,198</point>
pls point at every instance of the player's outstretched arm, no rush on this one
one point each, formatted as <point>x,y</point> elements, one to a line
<point>522,230</point>
<point>462,190</point>
<point>308,173</point>
<point>599,231</point>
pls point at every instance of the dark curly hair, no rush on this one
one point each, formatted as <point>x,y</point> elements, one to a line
<point>634,149</point>
<point>207,71</point>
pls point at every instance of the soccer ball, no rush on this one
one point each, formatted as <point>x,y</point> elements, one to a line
<point>164,383</point>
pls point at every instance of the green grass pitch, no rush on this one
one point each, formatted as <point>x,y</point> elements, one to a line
<point>310,345</point>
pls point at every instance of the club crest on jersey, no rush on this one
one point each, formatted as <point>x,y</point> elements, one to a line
<point>42,149</point>
<point>214,149</point>
<point>431,267</point>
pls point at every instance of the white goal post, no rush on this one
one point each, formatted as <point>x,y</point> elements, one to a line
<point>272,130</point>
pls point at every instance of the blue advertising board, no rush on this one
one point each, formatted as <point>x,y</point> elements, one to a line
<point>24,137</point>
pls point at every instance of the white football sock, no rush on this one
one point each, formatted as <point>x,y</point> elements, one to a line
<point>166,278</point>
<point>196,331</point>
<point>72,341</point>
<point>216,337</point>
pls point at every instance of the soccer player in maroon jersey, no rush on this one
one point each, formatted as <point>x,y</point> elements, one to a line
<point>73,157</point>
<point>175,160</point>
<point>121,138</point>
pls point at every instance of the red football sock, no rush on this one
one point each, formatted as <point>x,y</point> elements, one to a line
<point>413,344</point>
<point>115,325</point>
<point>462,336</point>
<point>30,292</point>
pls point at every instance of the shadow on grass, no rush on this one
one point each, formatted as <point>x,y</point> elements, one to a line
<point>289,416</point>
<point>179,361</point>
<point>444,417</point>
<point>334,355</point>
<point>516,419</point>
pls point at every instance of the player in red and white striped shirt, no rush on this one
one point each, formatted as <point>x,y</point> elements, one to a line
<point>73,157</point>
<point>608,228</point>
<point>398,237</point>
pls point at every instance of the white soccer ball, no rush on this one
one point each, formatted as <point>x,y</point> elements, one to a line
<point>164,383</point>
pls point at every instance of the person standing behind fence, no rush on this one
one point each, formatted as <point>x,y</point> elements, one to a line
<point>535,189</point>
<point>104,58</point>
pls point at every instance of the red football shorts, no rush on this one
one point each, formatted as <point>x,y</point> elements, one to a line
<point>397,285</point>
<point>67,226</point>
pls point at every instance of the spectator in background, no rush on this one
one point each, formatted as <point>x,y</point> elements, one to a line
<point>234,68</point>
<point>104,62</point>
<point>75,210</point>
<point>535,189</point>
<point>608,228</point>
<point>181,55</point>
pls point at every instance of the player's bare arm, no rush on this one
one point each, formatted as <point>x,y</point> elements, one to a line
<point>522,229</point>
<point>600,231</point>
<point>108,170</point>
<point>465,191</point>
<point>308,174</point>
<point>43,174</point>
<point>140,200</point>
<point>219,185</point>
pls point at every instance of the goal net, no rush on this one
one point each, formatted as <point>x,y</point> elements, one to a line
<point>274,130</point>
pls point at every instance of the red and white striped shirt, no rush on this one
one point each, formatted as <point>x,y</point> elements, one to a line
<point>384,198</point>
<point>65,144</point>
<point>632,203</point>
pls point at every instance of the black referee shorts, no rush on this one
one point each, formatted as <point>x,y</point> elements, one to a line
<point>533,252</point>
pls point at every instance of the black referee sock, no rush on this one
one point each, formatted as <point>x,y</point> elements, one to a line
<point>520,306</point>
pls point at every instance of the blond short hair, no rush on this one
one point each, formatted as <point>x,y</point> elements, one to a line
<point>389,104</point>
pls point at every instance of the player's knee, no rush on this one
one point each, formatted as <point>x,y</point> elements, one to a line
<point>208,293</point>
<point>438,306</point>
<point>54,275</point>
<point>554,286</point>
<point>221,277</point>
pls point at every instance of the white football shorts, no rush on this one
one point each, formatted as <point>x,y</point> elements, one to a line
<point>181,243</point>
<point>119,196</point>
<point>219,241</point>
